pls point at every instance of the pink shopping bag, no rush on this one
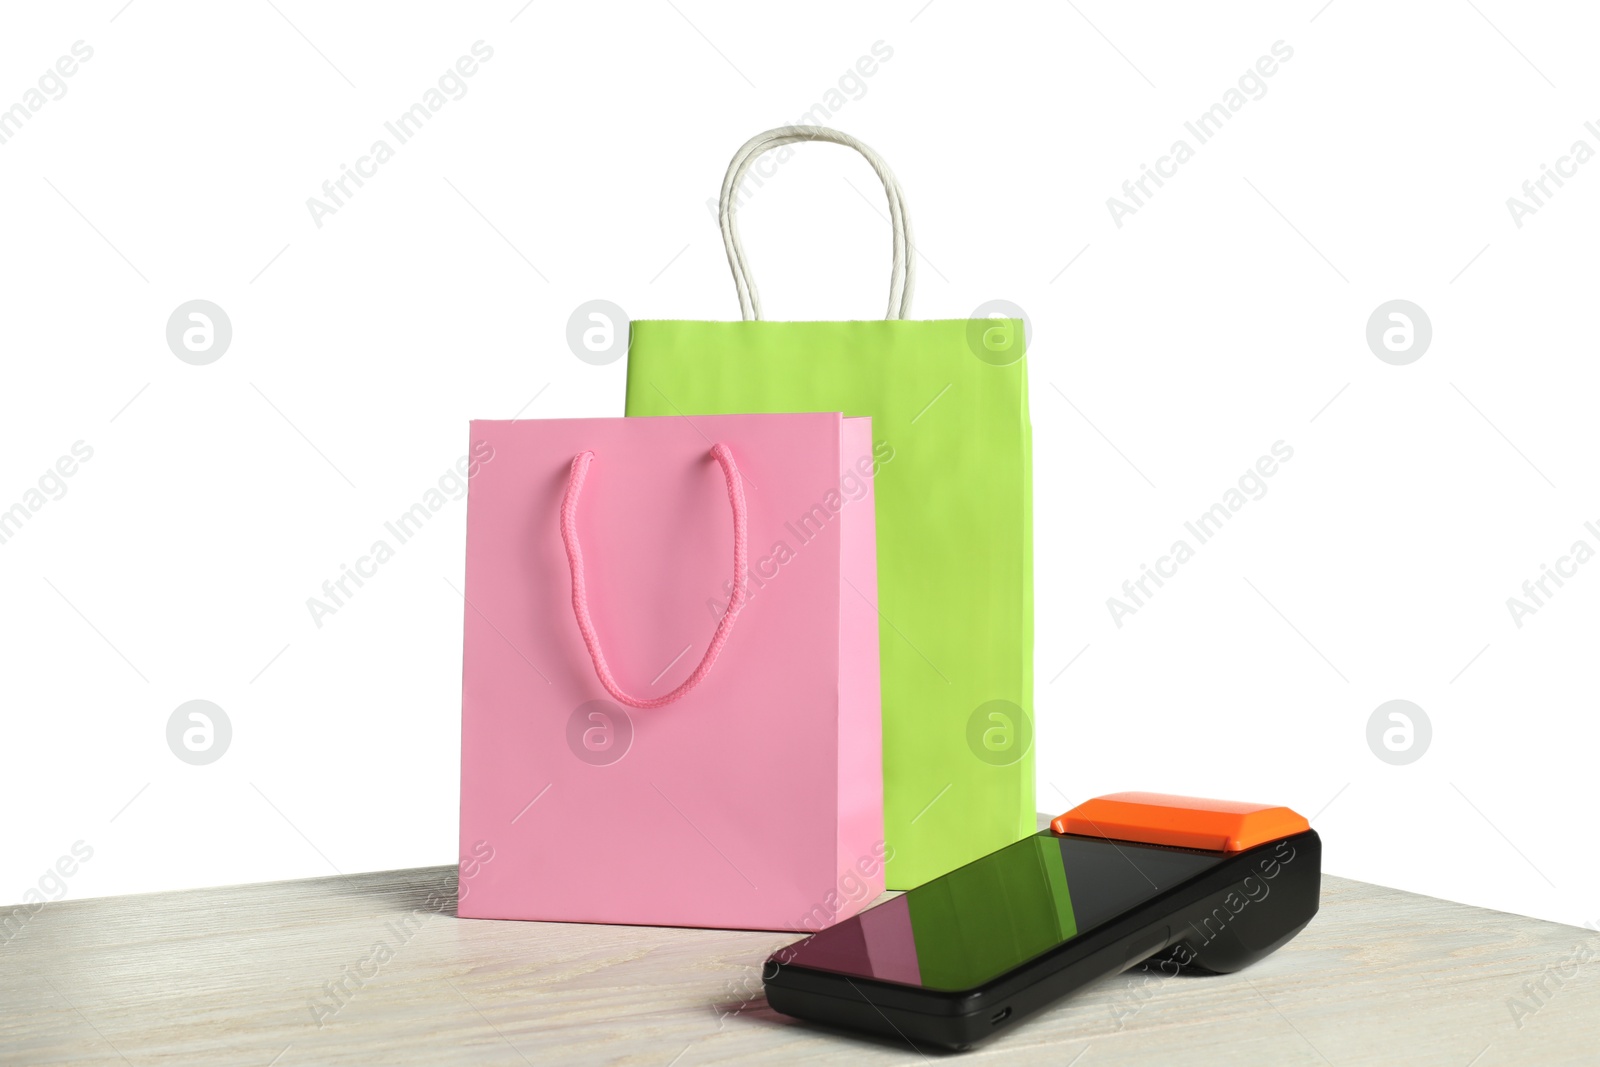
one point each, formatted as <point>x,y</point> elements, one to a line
<point>670,697</point>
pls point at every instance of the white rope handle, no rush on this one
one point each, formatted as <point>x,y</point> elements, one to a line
<point>903,276</point>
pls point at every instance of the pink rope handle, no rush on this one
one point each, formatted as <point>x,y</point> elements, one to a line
<point>580,598</point>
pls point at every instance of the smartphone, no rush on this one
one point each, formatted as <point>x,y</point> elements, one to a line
<point>974,952</point>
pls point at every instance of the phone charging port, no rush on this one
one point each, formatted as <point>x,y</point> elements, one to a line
<point>1000,1016</point>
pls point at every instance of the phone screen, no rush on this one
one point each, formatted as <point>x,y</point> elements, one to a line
<point>982,920</point>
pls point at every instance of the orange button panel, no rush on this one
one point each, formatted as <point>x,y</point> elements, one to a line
<point>1187,822</point>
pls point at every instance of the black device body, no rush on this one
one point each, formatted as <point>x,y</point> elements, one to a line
<point>922,972</point>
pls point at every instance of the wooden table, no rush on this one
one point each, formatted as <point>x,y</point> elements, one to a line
<point>250,975</point>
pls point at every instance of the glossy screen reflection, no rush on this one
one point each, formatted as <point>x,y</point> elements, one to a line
<point>984,919</point>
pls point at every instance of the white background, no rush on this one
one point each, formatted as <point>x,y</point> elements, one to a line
<point>1168,354</point>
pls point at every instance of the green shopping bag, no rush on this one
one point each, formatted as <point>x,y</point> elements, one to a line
<point>952,459</point>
